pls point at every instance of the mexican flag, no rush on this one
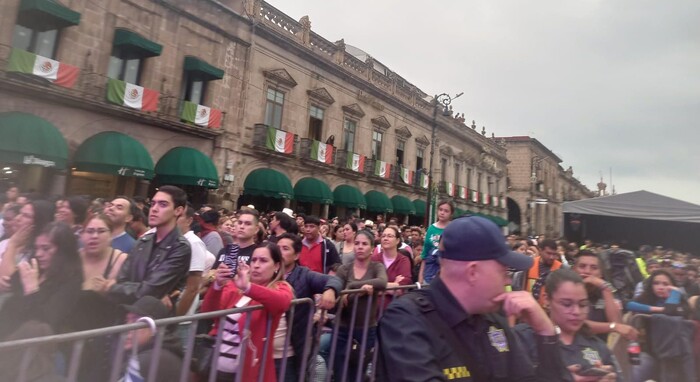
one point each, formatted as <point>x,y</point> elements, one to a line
<point>201,115</point>
<point>450,188</point>
<point>356,162</point>
<point>494,201</point>
<point>382,169</point>
<point>424,181</point>
<point>130,95</point>
<point>280,141</point>
<point>475,196</point>
<point>25,62</point>
<point>485,198</point>
<point>462,192</point>
<point>406,175</point>
<point>321,152</point>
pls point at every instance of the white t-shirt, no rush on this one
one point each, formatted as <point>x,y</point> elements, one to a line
<point>197,262</point>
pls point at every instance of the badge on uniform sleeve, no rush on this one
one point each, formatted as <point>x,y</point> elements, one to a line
<point>498,339</point>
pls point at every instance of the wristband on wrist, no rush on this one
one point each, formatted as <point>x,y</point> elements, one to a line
<point>612,327</point>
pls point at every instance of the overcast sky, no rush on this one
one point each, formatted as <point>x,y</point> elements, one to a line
<point>603,84</point>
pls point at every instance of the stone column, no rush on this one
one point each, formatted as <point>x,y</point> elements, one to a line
<point>142,186</point>
<point>324,211</point>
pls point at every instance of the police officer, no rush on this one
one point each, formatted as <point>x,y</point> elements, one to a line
<point>452,330</point>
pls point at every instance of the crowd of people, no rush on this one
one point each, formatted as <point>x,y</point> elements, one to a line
<point>490,307</point>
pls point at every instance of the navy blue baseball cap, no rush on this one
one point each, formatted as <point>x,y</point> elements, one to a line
<point>473,238</point>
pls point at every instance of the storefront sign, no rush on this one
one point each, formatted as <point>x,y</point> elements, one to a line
<point>31,159</point>
<point>206,183</point>
<point>126,171</point>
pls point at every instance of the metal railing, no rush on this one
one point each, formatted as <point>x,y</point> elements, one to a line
<point>71,346</point>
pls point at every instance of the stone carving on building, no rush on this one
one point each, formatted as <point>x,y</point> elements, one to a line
<point>403,133</point>
<point>381,123</point>
<point>280,76</point>
<point>321,95</point>
<point>354,110</point>
<point>422,141</point>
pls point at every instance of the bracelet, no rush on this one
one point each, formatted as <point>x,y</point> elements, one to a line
<point>606,285</point>
<point>612,327</point>
<point>547,340</point>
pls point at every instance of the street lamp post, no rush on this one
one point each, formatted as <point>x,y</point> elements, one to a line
<point>443,100</point>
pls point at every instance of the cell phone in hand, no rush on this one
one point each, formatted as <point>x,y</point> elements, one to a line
<point>231,259</point>
<point>593,372</point>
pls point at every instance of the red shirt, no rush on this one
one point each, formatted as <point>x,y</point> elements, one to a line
<point>276,301</point>
<point>312,257</point>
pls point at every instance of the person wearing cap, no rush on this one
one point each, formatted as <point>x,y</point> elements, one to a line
<point>140,344</point>
<point>455,327</point>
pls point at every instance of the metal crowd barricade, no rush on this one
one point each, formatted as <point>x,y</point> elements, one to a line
<point>77,340</point>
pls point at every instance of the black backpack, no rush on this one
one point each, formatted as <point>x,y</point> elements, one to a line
<point>621,270</point>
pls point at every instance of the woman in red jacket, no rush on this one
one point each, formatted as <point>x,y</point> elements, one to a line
<point>260,283</point>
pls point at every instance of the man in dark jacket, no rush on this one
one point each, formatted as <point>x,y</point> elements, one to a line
<point>454,329</point>
<point>317,253</point>
<point>306,284</point>
<point>159,262</point>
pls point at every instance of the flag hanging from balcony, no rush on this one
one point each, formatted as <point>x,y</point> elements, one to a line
<point>463,192</point>
<point>475,196</point>
<point>382,169</point>
<point>356,162</point>
<point>485,199</point>
<point>201,115</point>
<point>59,73</point>
<point>494,201</point>
<point>406,175</point>
<point>450,189</point>
<point>279,140</point>
<point>130,95</point>
<point>424,181</point>
<point>321,152</point>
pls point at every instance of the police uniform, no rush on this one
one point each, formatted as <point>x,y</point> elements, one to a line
<point>468,348</point>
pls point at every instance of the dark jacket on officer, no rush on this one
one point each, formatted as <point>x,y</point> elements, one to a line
<point>431,338</point>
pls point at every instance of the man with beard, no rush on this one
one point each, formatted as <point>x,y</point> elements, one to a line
<point>543,265</point>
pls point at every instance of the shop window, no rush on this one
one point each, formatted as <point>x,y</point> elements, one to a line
<point>420,154</point>
<point>377,145</point>
<point>125,65</point>
<point>39,42</point>
<point>315,122</point>
<point>400,147</point>
<point>349,128</point>
<point>274,107</point>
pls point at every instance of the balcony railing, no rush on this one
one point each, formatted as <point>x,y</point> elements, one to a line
<point>90,91</point>
<point>307,152</point>
<point>274,141</point>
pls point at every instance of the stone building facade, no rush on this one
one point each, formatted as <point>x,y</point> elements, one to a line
<point>537,187</point>
<point>270,78</point>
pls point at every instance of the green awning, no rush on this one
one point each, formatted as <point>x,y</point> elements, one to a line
<point>205,71</point>
<point>313,190</point>
<point>403,205</point>
<point>348,196</point>
<point>134,41</point>
<point>185,165</point>
<point>420,207</point>
<point>44,15</point>
<point>114,153</point>
<point>268,183</point>
<point>501,222</point>
<point>28,139</point>
<point>378,202</point>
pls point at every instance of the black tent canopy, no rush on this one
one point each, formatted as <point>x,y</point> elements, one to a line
<point>633,219</point>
